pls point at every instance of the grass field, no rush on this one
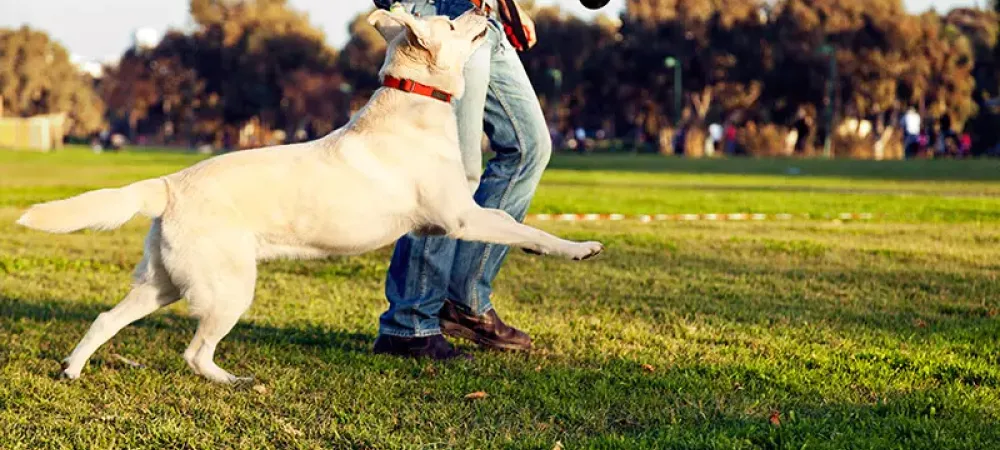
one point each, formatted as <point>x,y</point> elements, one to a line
<point>778,334</point>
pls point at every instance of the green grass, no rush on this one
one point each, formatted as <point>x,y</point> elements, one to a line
<point>878,334</point>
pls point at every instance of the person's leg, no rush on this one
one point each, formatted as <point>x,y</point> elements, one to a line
<point>516,128</point>
<point>416,286</point>
<point>420,269</point>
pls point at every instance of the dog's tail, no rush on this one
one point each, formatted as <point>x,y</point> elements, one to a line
<point>103,209</point>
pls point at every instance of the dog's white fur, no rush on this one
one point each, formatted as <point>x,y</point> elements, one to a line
<point>393,169</point>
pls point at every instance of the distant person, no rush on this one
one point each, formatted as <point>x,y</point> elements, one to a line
<point>911,132</point>
<point>715,134</point>
<point>965,145</point>
<point>581,138</point>
<point>554,135</point>
<point>949,138</point>
<point>923,141</point>
<point>802,127</point>
<point>730,137</point>
<point>945,124</point>
<point>680,135</point>
<point>911,122</point>
<point>104,139</point>
<point>940,142</point>
<point>791,140</point>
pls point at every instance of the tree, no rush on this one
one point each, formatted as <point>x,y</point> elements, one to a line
<point>156,91</point>
<point>573,84</point>
<point>720,45</point>
<point>233,69</point>
<point>361,58</point>
<point>318,102</point>
<point>981,28</point>
<point>247,50</point>
<point>868,44</point>
<point>37,77</point>
<point>761,61</point>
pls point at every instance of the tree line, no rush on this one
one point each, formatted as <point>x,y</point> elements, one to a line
<point>257,70</point>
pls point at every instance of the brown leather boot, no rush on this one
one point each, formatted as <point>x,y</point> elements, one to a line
<point>486,330</point>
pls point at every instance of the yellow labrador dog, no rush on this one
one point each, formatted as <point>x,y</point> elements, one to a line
<point>394,168</point>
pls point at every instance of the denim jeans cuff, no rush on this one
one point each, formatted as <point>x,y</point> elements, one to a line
<point>398,332</point>
<point>484,308</point>
<point>481,308</point>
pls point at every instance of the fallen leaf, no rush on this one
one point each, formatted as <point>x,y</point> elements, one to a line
<point>475,395</point>
<point>288,428</point>
<point>538,368</point>
<point>775,418</point>
<point>648,368</point>
<point>260,388</point>
<point>919,323</point>
<point>127,361</point>
<point>558,446</point>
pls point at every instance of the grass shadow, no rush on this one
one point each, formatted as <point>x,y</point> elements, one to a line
<point>305,335</point>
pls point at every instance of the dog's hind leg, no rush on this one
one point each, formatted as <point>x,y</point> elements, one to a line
<point>220,290</point>
<point>151,290</point>
<point>214,325</point>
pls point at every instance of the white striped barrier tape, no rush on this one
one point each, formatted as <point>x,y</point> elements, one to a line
<point>646,218</point>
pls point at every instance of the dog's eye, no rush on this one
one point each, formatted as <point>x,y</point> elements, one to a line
<point>452,26</point>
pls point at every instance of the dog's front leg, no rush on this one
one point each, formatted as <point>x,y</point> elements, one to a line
<point>497,227</point>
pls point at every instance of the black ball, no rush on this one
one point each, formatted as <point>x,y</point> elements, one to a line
<point>594,4</point>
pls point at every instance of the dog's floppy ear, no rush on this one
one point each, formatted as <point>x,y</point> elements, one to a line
<point>390,24</point>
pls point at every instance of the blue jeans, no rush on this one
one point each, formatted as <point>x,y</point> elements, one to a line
<point>499,99</point>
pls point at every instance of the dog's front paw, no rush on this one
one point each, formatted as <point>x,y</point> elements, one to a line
<point>68,373</point>
<point>586,250</point>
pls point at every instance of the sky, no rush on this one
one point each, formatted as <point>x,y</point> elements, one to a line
<point>101,29</point>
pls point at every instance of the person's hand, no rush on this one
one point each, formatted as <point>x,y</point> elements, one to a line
<point>527,24</point>
<point>529,28</point>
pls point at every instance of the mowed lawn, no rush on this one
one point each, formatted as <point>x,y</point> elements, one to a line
<point>770,334</point>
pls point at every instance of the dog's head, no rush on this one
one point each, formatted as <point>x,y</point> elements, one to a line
<point>431,50</point>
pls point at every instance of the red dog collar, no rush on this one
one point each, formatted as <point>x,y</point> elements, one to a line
<point>416,88</point>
